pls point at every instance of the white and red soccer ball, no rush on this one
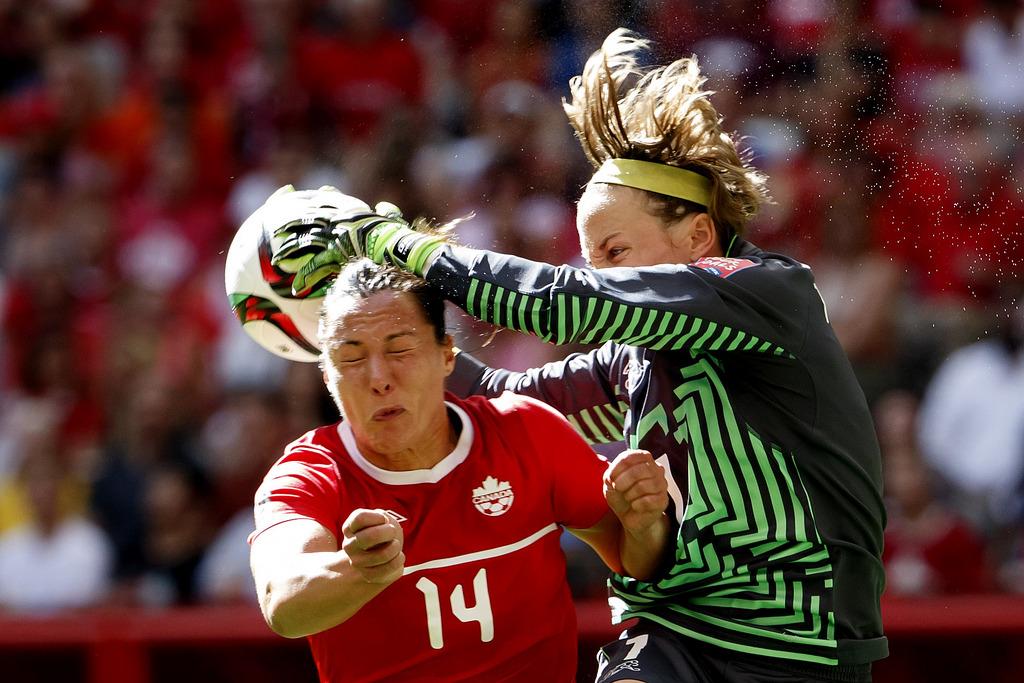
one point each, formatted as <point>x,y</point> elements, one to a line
<point>260,294</point>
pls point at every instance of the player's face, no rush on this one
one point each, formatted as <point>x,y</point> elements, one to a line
<point>616,229</point>
<point>386,370</point>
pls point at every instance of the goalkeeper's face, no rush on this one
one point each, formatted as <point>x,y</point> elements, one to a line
<point>386,370</point>
<point>617,229</point>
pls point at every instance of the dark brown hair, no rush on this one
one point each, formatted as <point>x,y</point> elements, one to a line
<point>362,279</point>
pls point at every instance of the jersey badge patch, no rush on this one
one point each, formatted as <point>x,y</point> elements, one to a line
<point>493,497</point>
<point>634,374</point>
<point>722,266</point>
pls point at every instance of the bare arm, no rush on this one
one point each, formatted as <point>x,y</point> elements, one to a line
<point>633,537</point>
<point>605,538</point>
<point>637,492</point>
<point>307,584</point>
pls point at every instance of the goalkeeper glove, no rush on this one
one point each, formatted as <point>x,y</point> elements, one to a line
<point>318,238</point>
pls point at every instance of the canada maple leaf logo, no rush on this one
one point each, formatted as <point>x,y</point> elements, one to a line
<point>493,497</point>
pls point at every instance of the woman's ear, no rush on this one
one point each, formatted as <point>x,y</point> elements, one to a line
<point>704,237</point>
<point>449,354</point>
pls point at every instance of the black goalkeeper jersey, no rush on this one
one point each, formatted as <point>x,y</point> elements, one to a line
<point>729,373</point>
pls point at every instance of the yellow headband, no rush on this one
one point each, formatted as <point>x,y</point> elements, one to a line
<point>654,177</point>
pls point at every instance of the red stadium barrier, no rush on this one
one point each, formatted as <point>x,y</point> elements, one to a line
<point>934,639</point>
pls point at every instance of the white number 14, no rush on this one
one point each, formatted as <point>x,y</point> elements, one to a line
<point>480,612</point>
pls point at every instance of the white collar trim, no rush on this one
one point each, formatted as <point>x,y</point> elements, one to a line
<point>428,476</point>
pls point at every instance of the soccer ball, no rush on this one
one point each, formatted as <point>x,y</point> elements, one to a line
<point>260,294</point>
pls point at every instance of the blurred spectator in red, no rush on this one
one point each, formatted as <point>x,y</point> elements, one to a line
<point>170,228</point>
<point>48,317</point>
<point>799,26</point>
<point>45,117</point>
<point>929,549</point>
<point>998,214</point>
<point>360,71</point>
<point>264,85</point>
<point>937,213</point>
<point>459,20</point>
<point>53,373</point>
<point>922,38</point>
<point>976,155</point>
<point>306,399</point>
<point>511,51</point>
<point>58,559</point>
<point>209,29</point>
<point>164,338</point>
<point>172,94</point>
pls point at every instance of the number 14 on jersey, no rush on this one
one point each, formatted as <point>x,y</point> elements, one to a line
<point>480,612</point>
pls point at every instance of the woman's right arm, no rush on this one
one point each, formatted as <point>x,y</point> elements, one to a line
<point>307,584</point>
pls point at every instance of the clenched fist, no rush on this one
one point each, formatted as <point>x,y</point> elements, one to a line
<point>636,490</point>
<point>373,541</point>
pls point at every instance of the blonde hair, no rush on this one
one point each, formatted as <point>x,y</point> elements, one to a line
<point>665,118</point>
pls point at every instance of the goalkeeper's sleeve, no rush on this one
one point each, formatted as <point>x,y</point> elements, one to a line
<point>579,387</point>
<point>751,305</point>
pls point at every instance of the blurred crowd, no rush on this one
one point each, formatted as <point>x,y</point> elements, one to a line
<point>137,419</point>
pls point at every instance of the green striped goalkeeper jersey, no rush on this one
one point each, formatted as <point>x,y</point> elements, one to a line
<point>728,371</point>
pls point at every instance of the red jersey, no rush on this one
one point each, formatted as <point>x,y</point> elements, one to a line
<point>483,595</point>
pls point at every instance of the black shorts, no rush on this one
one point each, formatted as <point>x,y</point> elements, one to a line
<point>652,653</point>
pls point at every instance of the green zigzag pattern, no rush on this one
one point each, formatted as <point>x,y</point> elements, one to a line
<point>746,506</point>
<point>590,320</point>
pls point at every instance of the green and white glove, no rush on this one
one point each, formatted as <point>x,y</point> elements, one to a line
<point>322,230</point>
